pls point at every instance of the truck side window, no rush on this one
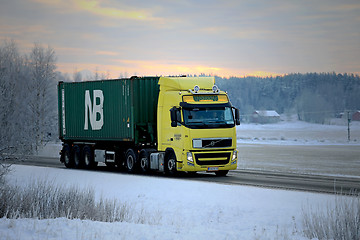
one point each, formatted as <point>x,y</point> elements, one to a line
<point>178,117</point>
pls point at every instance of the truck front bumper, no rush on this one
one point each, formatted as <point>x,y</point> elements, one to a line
<point>196,161</point>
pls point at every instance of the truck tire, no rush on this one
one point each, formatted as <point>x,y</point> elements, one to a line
<point>76,156</point>
<point>66,156</point>
<point>144,159</point>
<point>131,161</point>
<point>88,157</point>
<point>170,164</point>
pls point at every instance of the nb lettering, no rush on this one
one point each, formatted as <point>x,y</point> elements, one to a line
<point>94,110</point>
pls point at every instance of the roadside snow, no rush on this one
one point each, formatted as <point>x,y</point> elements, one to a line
<point>175,208</point>
<point>187,209</point>
<point>50,150</point>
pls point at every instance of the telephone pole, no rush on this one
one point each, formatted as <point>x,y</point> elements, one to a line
<point>349,120</point>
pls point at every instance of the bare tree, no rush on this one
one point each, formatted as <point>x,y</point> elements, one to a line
<point>42,93</point>
<point>99,75</point>
<point>11,91</point>
<point>77,77</point>
<point>28,102</point>
<point>96,74</point>
<point>11,69</point>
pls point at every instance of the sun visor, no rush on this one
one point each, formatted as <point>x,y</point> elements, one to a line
<point>185,83</point>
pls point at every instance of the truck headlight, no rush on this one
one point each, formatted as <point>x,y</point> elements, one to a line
<point>235,155</point>
<point>189,157</point>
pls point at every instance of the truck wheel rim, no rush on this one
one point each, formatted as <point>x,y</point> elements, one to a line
<point>86,160</point>
<point>130,162</point>
<point>143,163</point>
<point>76,159</point>
<point>67,159</point>
<point>171,164</point>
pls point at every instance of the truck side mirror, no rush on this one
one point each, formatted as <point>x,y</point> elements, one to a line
<point>173,117</point>
<point>237,116</point>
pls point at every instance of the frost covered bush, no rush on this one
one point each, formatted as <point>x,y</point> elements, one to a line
<point>7,155</point>
<point>43,200</point>
<point>4,169</point>
<point>341,221</point>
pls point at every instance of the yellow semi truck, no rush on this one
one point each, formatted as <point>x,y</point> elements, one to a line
<point>166,124</point>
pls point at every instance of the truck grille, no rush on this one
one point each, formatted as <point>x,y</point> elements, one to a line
<point>212,158</point>
<point>212,142</point>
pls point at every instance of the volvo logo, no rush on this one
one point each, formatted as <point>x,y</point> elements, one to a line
<point>212,142</point>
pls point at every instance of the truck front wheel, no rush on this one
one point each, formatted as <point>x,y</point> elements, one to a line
<point>131,161</point>
<point>170,165</point>
<point>144,158</point>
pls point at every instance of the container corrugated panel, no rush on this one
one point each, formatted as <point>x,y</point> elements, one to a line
<point>109,110</point>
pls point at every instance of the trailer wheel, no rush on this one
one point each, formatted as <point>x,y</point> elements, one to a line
<point>88,157</point>
<point>66,156</point>
<point>170,164</point>
<point>131,161</point>
<point>76,156</point>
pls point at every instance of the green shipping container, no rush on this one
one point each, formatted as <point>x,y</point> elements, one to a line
<point>109,110</point>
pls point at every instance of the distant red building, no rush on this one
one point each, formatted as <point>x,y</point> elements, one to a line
<point>265,116</point>
<point>356,116</point>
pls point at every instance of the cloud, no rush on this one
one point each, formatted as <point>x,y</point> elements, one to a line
<point>96,8</point>
<point>106,9</point>
<point>24,35</point>
<point>106,53</point>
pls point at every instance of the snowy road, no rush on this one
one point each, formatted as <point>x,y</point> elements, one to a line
<point>265,179</point>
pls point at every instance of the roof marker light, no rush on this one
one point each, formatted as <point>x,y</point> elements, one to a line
<point>215,89</point>
<point>196,88</point>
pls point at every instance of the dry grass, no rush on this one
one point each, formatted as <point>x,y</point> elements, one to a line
<point>340,220</point>
<point>42,199</point>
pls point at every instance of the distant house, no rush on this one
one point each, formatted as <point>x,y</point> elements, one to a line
<point>340,115</point>
<point>265,116</point>
<point>356,116</point>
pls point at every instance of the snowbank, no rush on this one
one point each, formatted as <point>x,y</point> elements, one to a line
<point>176,208</point>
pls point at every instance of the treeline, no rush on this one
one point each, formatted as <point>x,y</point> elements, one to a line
<point>314,97</point>
<point>28,98</point>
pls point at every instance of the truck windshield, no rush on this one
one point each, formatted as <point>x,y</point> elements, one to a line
<point>208,117</point>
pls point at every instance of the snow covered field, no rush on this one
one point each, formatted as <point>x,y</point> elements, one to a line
<point>300,147</point>
<point>299,133</point>
<point>166,208</point>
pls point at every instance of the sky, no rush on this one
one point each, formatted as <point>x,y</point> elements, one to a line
<point>169,37</point>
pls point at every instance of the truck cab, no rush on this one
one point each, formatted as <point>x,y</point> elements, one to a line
<point>196,126</point>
